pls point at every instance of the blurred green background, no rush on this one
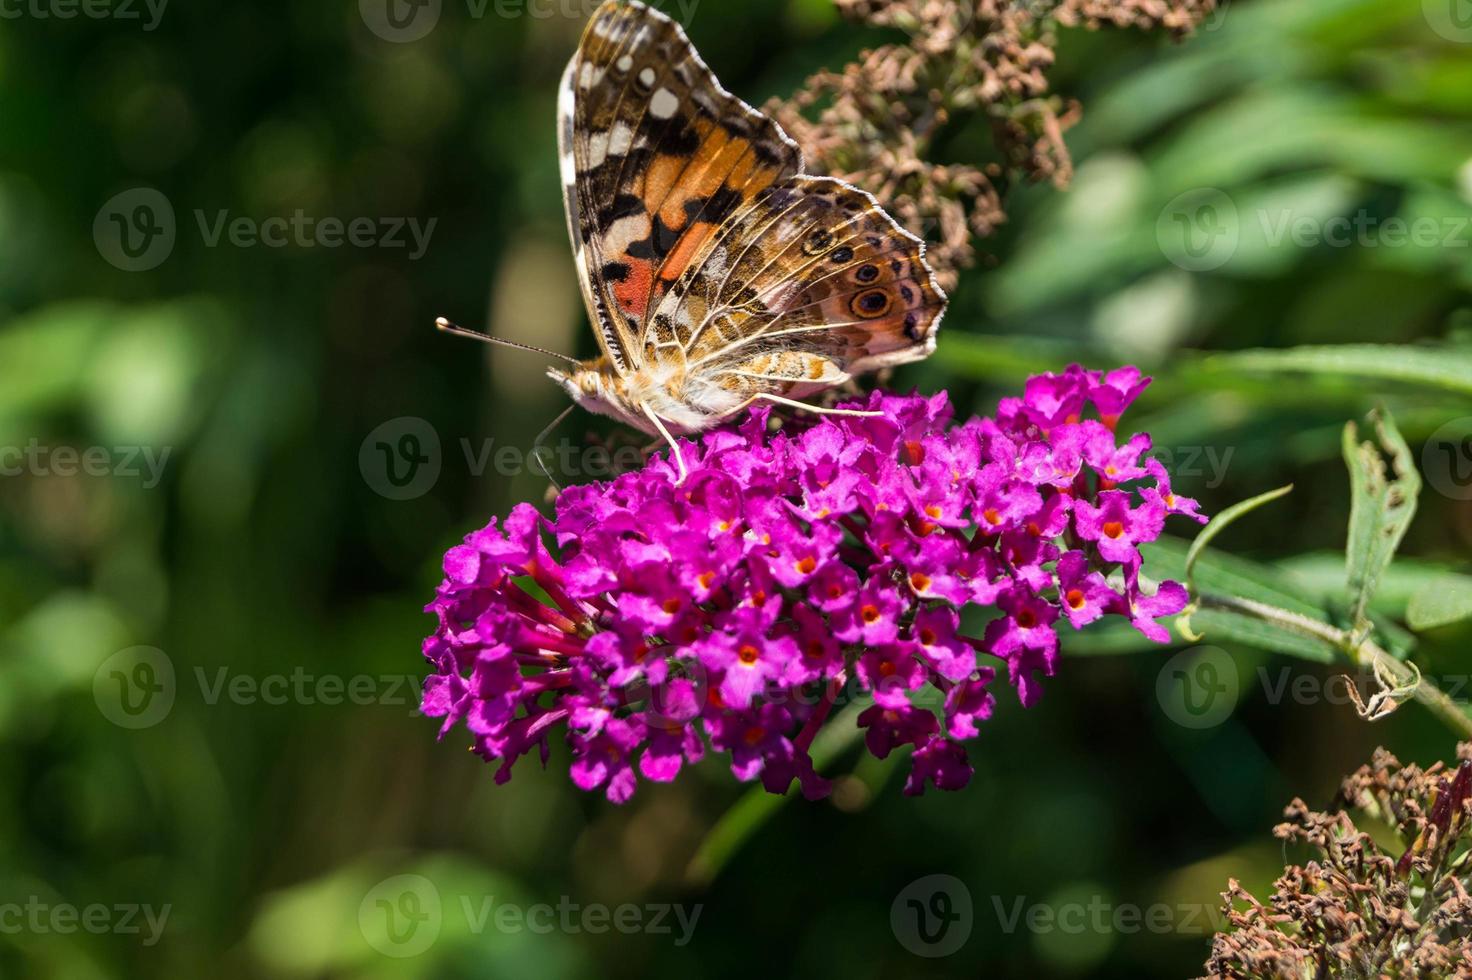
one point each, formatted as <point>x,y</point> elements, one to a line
<point>266,551</point>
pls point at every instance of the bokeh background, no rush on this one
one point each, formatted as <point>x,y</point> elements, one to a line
<point>270,553</point>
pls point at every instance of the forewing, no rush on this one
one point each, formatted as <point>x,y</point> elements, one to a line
<point>656,156</point>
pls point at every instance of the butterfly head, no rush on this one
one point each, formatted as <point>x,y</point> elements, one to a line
<point>593,386</point>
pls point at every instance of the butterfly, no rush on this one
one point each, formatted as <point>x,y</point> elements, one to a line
<point>715,272</point>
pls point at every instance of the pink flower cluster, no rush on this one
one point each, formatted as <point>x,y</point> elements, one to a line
<point>826,560</point>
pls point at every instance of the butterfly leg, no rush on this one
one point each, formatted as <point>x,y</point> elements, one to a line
<point>815,409</point>
<point>674,446</point>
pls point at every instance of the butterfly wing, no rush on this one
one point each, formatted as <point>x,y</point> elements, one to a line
<point>656,156</point>
<point>811,284</point>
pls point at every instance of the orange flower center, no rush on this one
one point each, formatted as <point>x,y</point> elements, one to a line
<point>753,734</point>
<point>748,654</point>
<point>870,614</point>
<point>991,515</point>
<point>1026,619</point>
<point>919,581</point>
<point>1113,529</point>
<point>1075,598</point>
<point>672,605</point>
<point>806,566</point>
<point>706,578</point>
<point>927,637</point>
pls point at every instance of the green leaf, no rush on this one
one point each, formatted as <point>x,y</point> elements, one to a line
<point>1220,523</point>
<point>1381,506</point>
<point>1442,602</point>
<point>1447,368</point>
<point>1223,624</point>
<point>1223,574</point>
<point>1323,573</point>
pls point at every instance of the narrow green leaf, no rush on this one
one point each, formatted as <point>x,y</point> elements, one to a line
<point>1224,624</point>
<point>1230,575</point>
<point>1382,503</point>
<point>1219,573</point>
<point>1220,522</point>
<point>1446,368</point>
<point>1323,573</point>
<point>1443,602</point>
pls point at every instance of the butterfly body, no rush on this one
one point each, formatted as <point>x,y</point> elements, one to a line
<point>715,272</point>
<point>683,402</point>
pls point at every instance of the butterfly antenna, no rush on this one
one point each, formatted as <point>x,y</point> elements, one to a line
<point>537,444</point>
<point>455,328</point>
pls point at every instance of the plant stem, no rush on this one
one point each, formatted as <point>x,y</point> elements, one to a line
<point>1363,652</point>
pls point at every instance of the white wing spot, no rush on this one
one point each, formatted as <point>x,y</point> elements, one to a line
<point>625,63</point>
<point>647,77</point>
<point>621,139</point>
<point>663,104</point>
<point>597,148</point>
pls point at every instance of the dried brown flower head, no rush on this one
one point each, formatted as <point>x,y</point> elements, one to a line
<point>884,120</point>
<point>1361,911</point>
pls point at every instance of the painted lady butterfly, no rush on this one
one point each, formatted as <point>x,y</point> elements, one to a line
<point>715,271</point>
